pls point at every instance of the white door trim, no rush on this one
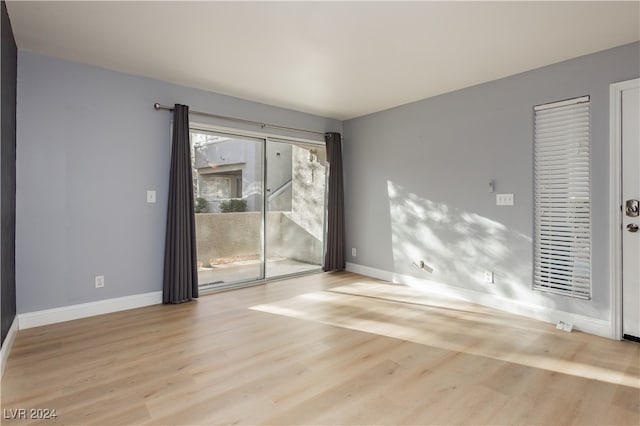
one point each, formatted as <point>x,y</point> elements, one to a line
<point>615,203</point>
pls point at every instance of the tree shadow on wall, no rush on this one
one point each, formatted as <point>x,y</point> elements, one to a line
<point>458,246</point>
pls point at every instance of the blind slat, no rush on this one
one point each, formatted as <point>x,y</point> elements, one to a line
<point>562,141</point>
<point>559,278</point>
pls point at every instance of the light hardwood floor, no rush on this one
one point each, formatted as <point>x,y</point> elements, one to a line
<point>323,349</point>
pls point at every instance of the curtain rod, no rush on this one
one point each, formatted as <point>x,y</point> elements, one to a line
<point>240,120</point>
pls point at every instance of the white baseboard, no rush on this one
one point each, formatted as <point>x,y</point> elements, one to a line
<point>542,313</point>
<point>7,344</point>
<point>83,310</point>
<point>370,272</point>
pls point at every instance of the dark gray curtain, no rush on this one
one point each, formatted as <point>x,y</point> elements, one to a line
<point>335,257</point>
<point>180,267</point>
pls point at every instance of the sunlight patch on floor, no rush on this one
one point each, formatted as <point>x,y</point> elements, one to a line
<point>403,313</point>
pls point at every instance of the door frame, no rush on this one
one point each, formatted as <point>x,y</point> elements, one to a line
<point>615,203</point>
<point>266,137</point>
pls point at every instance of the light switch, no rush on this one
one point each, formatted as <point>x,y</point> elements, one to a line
<point>504,199</point>
<point>151,196</point>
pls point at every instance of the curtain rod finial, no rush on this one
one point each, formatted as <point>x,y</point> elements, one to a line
<point>156,105</point>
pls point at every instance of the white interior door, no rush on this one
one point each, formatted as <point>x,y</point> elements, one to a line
<point>631,213</point>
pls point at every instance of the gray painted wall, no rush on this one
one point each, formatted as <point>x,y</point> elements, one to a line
<point>417,180</point>
<point>90,145</point>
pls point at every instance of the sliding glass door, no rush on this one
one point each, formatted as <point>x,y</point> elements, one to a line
<point>228,192</point>
<point>295,203</point>
<point>260,207</point>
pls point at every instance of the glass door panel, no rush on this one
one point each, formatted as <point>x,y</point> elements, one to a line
<point>228,193</point>
<point>295,203</point>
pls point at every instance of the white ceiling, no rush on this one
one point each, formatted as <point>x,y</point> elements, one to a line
<point>335,59</point>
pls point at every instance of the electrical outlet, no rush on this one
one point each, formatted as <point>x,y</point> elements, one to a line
<point>504,199</point>
<point>564,326</point>
<point>353,252</point>
<point>488,277</point>
<point>99,281</point>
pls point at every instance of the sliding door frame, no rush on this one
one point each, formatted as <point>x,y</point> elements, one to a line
<point>266,138</point>
<point>254,134</point>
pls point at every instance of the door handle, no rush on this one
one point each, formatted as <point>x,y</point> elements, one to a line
<point>632,227</point>
<point>632,208</point>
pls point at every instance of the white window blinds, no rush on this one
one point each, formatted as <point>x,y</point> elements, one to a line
<point>562,198</point>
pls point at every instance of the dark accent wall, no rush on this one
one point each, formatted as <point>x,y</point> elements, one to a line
<point>8,65</point>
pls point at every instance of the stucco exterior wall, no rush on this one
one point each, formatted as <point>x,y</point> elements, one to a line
<point>226,235</point>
